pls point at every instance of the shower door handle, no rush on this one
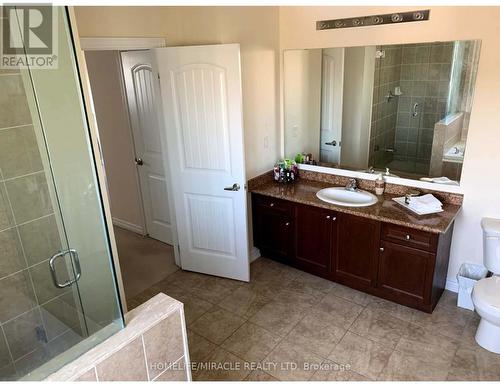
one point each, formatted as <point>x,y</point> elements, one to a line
<point>76,263</point>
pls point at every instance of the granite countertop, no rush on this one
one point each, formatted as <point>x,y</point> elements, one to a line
<point>385,210</point>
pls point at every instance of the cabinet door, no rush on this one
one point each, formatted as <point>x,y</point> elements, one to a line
<point>405,273</point>
<point>314,239</point>
<point>356,261</point>
<point>273,230</point>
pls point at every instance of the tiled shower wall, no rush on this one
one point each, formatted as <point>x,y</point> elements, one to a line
<point>34,314</point>
<point>423,73</point>
<point>425,78</point>
<point>384,111</point>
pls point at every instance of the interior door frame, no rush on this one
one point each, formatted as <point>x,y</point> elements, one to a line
<point>105,43</point>
<point>119,45</point>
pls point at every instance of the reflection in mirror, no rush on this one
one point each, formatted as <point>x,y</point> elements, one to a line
<point>398,108</point>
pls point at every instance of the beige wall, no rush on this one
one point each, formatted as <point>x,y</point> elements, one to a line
<point>480,182</point>
<point>115,135</point>
<point>302,99</point>
<point>359,74</point>
<point>255,28</point>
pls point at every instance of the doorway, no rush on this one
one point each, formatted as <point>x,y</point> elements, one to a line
<point>195,94</point>
<point>121,85</point>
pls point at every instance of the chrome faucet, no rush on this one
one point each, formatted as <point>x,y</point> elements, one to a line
<point>371,169</point>
<point>352,185</point>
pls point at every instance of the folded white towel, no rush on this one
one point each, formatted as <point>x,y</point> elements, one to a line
<point>440,180</point>
<point>425,203</point>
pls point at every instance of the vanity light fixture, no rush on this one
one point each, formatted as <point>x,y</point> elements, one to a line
<point>363,21</point>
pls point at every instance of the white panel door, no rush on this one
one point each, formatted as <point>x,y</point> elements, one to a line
<point>139,80</point>
<point>332,89</point>
<point>202,113</point>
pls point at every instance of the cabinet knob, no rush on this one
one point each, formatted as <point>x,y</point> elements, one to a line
<point>328,217</point>
<point>271,205</point>
<point>381,249</point>
<point>334,218</point>
<point>408,237</point>
<point>287,224</point>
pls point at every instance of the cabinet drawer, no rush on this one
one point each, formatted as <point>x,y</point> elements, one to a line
<point>410,237</point>
<point>273,204</point>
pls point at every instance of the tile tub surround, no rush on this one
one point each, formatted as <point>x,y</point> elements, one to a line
<point>385,210</point>
<point>447,133</point>
<point>152,346</point>
<point>355,335</point>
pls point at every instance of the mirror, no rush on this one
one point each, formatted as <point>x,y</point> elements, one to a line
<point>404,107</point>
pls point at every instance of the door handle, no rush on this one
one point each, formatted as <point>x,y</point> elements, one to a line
<point>76,263</point>
<point>332,143</point>
<point>138,161</point>
<point>234,187</point>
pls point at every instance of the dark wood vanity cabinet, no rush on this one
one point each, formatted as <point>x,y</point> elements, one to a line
<point>356,262</point>
<point>402,264</point>
<point>412,266</point>
<point>404,273</point>
<point>315,239</point>
<point>273,228</point>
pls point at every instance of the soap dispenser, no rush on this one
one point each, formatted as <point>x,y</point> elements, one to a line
<point>379,185</point>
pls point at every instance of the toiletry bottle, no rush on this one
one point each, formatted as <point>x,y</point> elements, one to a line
<point>379,185</point>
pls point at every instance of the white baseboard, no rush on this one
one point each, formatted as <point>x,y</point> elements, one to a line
<point>452,285</point>
<point>254,254</point>
<point>128,226</point>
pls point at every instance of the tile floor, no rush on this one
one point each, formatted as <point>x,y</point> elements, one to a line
<point>289,325</point>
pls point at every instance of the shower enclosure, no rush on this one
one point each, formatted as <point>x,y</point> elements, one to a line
<point>418,87</point>
<point>58,293</point>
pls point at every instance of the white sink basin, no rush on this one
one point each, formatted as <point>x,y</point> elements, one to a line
<point>343,197</point>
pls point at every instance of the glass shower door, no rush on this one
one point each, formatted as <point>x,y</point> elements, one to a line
<point>58,292</point>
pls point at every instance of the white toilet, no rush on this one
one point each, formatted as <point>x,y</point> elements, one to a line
<point>486,292</point>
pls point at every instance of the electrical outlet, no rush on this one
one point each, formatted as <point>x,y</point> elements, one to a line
<point>266,142</point>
